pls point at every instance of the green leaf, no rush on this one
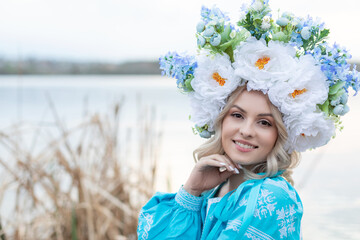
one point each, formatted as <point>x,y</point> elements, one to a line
<point>324,33</point>
<point>188,84</point>
<point>225,34</point>
<point>229,51</point>
<point>335,88</point>
<point>339,93</point>
<point>226,45</point>
<point>325,107</point>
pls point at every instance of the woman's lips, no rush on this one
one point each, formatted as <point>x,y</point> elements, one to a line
<point>244,146</point>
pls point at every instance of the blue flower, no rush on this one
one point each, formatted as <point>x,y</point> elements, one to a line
<point>213,14</point>
<point>341,109</point>
<point>305,33</point>
<point>282,21</point>
<point>344,98</point>
<point>178,67</point>
<point>209,31</point>
<point>201,41</point>
<point>333,63</point>
<point>215,40</point>
<point>353,80</point>
<point>296,40</point>
<point>205,134</point>
<point>200,27</point>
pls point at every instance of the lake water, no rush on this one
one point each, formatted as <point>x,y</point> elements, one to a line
<point>327,178</point>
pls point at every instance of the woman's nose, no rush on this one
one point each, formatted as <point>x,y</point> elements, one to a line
<point>246,130</point>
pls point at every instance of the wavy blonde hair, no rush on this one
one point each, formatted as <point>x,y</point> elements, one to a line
<point>278,159</point>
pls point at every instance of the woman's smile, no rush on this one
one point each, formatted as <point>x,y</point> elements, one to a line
<point>244,146</point>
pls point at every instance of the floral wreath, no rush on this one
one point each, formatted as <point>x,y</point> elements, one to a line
<point>288,59</point>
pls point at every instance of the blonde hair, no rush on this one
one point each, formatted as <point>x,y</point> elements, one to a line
<point>278,159</point>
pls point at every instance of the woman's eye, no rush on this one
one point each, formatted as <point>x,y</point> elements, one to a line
<point>237,115</point>
<point>265,123</point>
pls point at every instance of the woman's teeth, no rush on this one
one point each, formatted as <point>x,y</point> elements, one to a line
<point>244,145</point>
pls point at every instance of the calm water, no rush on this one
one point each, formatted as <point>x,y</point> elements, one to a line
<point>327,179</point>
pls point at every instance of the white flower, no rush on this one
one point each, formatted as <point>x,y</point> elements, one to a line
<point>265,25</point>
<point>214,77</point>
<point>213,82</point>
<point>242,16</point>
<point>262,66</point>
<point>306,88</point>
<point>308,130</point>
<point>204,112</point>
<point>257,5</point>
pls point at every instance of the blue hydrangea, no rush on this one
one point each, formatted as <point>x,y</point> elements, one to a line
<point>353,80</point>
<point>296,40</point>
<point>333,63</point>
<point>315,24</point>
<point>310,27</point>
<point>179,67</point>
<point>213,14</point>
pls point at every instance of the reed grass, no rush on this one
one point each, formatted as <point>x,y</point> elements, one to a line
<point>85,182</point>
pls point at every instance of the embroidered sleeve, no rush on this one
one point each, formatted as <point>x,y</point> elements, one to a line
<point>188,201</point>
<point>171,216</point>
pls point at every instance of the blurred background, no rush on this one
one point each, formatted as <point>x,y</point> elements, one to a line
<point>89,130</point>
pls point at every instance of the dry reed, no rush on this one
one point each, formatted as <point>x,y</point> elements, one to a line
<point>87,182</point>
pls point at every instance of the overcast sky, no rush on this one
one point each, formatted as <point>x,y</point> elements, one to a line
<point>121,30</point>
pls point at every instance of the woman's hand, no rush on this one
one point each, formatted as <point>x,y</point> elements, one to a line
<point>206,175</point>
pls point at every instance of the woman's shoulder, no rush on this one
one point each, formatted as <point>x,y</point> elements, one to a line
<point>281,189</point>
<point>275,195</point>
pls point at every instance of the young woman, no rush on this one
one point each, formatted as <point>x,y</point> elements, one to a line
<point>261,93</point>
<point>249,140</point>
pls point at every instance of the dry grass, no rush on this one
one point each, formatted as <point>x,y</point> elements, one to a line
<point>87,182</point>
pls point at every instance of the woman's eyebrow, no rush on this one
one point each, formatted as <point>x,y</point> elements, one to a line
<point>260,115</point>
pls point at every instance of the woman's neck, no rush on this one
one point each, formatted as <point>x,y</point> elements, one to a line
<point>232,183</point>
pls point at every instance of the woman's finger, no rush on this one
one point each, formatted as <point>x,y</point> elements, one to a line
<point>230,165</point>
<point>219,161</point>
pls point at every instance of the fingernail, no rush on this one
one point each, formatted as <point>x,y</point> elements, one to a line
<point>239,165</point>
<point>231,168</point>
<point>222,163</point>
<point>237,171</point>
<point>222,169</point>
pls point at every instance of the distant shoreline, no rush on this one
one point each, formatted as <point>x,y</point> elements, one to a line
<point>53,67</point>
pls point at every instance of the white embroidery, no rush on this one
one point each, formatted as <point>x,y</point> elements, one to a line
<point>243,202</point>
<point>233,225</point>
<point>145,225</point>
<point>287,220</point>
<point>283,185</point>
<point>251,233</point>
<point>265,205</point>
<point>210,202</point>
<point>251,236</point>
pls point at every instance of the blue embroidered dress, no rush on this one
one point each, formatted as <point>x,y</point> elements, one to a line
<point>262,209</point>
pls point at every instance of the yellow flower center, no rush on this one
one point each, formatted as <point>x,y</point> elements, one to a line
<point>216,76</point>
<point>261,62</point>
<point>298,92</point>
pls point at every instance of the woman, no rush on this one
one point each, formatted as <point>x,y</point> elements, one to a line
<point>265,92</point>
<point>249,137</point>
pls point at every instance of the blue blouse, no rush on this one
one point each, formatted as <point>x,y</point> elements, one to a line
<point>264,209</point>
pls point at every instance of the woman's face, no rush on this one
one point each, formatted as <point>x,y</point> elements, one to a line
<point>249,132</point>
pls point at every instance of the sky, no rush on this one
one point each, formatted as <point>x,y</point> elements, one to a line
<point>131,30</point>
